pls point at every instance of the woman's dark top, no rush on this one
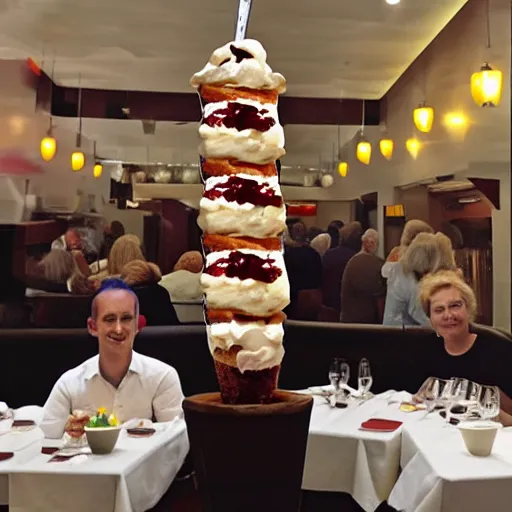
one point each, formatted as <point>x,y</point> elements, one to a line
<point>487,362</point>
<point>155,304</point>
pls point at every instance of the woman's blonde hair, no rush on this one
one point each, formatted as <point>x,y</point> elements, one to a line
<point>321,243</point>
<point>411,230</point>
<point>428,253</point>
<point>442,280</point>
<point>58,266</point>
<point>140,272</point>
<point>191,261</point>
<point>125,249</point>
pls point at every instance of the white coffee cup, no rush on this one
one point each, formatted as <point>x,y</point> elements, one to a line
<point>479,436</point>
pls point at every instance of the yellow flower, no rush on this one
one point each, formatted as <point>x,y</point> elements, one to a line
<point>101,411</point>
<point>112,420</point>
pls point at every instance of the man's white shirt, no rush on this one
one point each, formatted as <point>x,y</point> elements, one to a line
<point>150,389</point>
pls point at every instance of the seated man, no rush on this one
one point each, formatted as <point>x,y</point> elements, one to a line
<point>122,381</point>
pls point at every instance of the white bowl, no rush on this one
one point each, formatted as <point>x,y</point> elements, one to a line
<point>102,440</point>
<point>479,436</point>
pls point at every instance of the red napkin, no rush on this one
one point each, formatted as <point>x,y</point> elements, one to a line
<point>6,455</point>
<point>49,450</point>
<point>142,322</point>
<point>381,424</point>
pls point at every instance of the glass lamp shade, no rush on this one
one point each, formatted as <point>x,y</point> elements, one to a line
<point>343,169</point>
<point>386,148</point>
<point>486,86</point>
<point>97,170</point>
<point>77,161</point>
<point>413,146</point>
<point>48,148</point>
<point>423,118</point>
<point>364,152</point>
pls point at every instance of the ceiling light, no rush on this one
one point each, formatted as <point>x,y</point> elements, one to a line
<point>48,148</point>
<point>343,169</point>
<point>386,148</point>
<point>423,117</point>
<point>77,161</point>
<point>486,86</point>
<point>413,145</point>
<point>455,120</point>
<point>392,2</point>
<point>97,170</point>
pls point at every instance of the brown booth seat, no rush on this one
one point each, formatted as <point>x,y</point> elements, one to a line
<point>31,360</point>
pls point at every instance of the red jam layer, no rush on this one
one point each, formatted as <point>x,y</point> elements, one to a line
<point>245,266</point>
<point>240,116</point>
<point>243,190</point>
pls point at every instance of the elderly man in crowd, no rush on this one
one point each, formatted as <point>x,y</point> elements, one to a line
<point>362,287</point>
<point>125,383</point>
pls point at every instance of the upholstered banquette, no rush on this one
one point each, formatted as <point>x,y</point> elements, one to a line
<point>32,360</point>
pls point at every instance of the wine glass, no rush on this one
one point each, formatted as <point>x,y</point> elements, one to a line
<point>430,392</point>
<point>365,379</point>
<point>489,402</point>
<point>335,373</point>
<point>339,374</point>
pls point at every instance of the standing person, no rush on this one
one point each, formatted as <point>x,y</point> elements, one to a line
<point>333,229</point>
<point>427,253</point>
<point>334,263</point>
<point>412,228</point>
<point>127,384</point>
<point>362,287</point>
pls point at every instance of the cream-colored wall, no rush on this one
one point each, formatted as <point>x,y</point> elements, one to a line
<point>441,76</point>
<point>328,211</point>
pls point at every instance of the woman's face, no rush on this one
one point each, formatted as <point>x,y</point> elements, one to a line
<point>448,313</point>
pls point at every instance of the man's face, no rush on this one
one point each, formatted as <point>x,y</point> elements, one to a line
<point>73,240</point>
<point>115,324</point>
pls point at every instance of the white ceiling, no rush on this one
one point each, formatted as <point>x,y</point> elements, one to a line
<point>325,48</point>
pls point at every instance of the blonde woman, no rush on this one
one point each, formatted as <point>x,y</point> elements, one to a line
<point>125,249</point>
<point>456,351</point>
<point>412,228</point>
<point>427,253</point>
<point>321,243</point>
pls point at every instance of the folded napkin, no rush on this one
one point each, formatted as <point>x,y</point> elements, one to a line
<point>3,408</point>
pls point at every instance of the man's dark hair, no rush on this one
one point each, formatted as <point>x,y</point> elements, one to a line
<point>334,231</point>
<point>112,283</point>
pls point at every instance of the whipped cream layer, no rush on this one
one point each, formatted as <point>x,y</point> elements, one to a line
<point>220,216</point>
<point>262,344</point>
<point>240,64</point>
<point>251,296</point>
<point>253,145</point>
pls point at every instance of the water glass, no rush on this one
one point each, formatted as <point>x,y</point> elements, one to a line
<point>489,402</point>
<point>365,379</point>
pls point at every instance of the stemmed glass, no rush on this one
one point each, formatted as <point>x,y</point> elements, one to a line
<point>339,374</point>
<point>365,379</point>
<point>489,402</point>
<point>430,392</point>
<point>456,393</point>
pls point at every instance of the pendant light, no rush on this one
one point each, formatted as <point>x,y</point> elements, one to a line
<point>423,117</point>
<point>343,169</point>
<point>364,148</point>
<point>48,145</point>
<point>98,168</point>
<point>78,157</point>
<point>413,146</point>
<point>342,166</point>
<point>386,147</point>
<point>487,84</point>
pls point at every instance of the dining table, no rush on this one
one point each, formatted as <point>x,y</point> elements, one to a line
<point>342,456</point>
<point>132,478</point>
<point>440,475</point>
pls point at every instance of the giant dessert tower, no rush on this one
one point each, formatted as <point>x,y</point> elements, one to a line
<point>242,216</point>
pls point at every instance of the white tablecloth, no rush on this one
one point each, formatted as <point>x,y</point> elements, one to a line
<point>439,475</point>
<point>342,458</point>
<point>132,478</point>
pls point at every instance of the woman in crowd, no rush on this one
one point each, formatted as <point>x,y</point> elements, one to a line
<point>427,253</point>
<point>154,300</point>
<point>185,282</point>
<point>412,228</point>
<point>125,249</point>
<point>321,243</point>
<point>456,351</point>
<point>60,272</point>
